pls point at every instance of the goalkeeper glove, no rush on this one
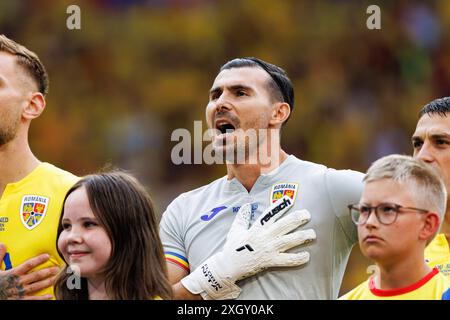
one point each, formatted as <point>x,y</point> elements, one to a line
<point>248,251</point>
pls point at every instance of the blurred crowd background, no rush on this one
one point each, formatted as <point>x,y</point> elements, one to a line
<point>139,69</point>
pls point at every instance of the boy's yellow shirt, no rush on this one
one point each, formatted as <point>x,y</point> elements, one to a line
<point>437,254</point>
<point>29,215</point>
<point>434,286</point>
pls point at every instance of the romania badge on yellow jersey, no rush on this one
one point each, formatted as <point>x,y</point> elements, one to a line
<point>283,189</point>
<point>32,210</point>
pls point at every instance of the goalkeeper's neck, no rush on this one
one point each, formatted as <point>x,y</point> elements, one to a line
<point>248,173</point>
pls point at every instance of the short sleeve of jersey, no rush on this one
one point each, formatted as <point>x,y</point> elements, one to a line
<point>344,188</point>
<point>172,234</point>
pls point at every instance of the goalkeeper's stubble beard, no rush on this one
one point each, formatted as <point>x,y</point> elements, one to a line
<point>251,147</point>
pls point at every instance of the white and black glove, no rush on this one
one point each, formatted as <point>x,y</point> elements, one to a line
<point>248,251</point>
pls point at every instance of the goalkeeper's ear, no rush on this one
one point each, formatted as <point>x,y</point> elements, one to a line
<point>280,114</point>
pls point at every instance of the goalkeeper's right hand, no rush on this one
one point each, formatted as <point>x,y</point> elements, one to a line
<point>248,251</point>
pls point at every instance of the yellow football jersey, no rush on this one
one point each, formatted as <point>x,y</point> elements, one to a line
<point>29,216</point>
<point>437,254</point>
<point>434,286</point>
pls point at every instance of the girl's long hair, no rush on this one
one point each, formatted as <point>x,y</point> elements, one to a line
<point>137,267</point>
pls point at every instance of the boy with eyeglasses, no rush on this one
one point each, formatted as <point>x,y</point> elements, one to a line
<point>400,211</point>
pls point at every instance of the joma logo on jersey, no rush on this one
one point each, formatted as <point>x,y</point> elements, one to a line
<point>33,210</point>
<point>212,213</point>
<point>283,189</point>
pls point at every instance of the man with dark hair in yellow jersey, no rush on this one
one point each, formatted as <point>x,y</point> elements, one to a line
<point>431,143</point>
<point>31,191</point>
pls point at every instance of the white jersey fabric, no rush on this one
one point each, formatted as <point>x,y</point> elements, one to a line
<point>196,223</point>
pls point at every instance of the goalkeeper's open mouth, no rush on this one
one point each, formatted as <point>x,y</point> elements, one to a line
<point>224,129</point>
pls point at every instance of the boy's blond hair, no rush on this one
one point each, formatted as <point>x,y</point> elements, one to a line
<point>429,189</point>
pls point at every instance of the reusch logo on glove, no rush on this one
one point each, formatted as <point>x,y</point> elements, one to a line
<point>286,202</point>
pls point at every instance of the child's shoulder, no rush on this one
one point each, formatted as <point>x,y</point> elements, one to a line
<point>358,292</point>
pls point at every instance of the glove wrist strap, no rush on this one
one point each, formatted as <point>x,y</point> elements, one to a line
<point>205,281</point>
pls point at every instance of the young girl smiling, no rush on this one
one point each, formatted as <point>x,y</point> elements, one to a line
<point>109,234</point>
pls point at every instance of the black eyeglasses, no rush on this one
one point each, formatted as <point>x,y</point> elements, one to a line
<point>386,213</point>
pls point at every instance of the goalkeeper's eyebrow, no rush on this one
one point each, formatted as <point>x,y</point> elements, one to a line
<point>218,90</point>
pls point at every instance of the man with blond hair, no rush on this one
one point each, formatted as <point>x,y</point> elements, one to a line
<point>31,191</point>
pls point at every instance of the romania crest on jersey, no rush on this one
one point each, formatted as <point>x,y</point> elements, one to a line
<point>283,189</point>
<point>32,210</point>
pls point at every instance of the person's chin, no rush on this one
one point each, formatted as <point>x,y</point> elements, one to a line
<point>373,252</point>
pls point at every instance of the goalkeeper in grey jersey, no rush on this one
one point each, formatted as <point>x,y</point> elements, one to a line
<point>276,229</point>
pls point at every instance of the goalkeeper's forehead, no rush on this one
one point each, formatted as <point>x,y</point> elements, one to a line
<point>252,77</point>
